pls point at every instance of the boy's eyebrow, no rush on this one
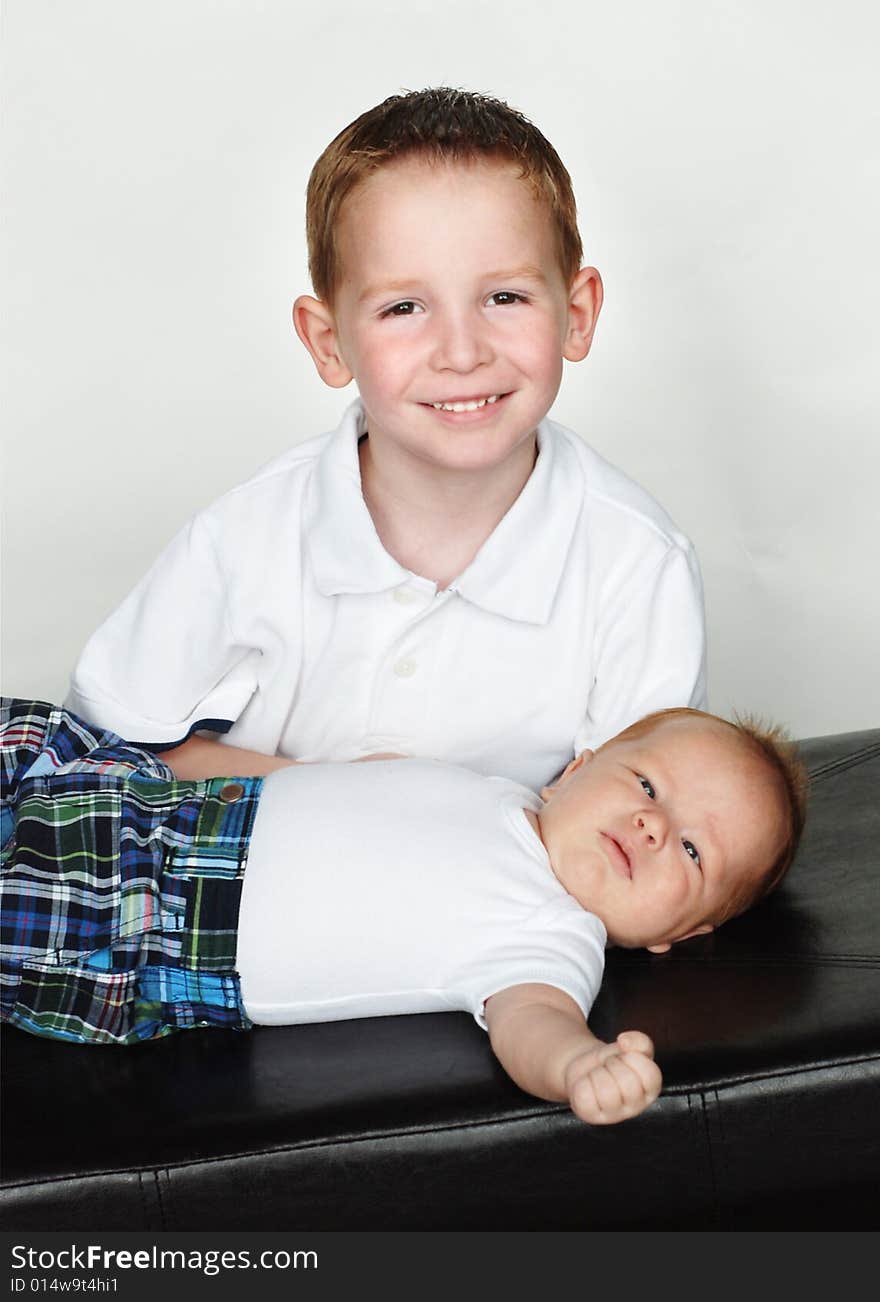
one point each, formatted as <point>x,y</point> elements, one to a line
<point>525,272</point>
<point>386,287</point>
<point>389,287</point>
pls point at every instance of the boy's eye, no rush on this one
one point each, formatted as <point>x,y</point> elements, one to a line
<point>647,787</point>
<point>503,297</point>
<point>406,308</point>
<point>691,849</point>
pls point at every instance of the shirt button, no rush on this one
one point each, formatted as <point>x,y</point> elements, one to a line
<point>232,792</point>
<point>404,597</point>
<point>405,668</point>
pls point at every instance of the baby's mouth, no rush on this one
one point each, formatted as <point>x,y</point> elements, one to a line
<point>617,856</point>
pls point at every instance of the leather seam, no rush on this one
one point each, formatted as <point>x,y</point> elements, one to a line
<point>844,762</point>
<point>781,1073</point>
<point>869,961</point>
<point>143,1179</point>
<point>710,1156</point>
<point>159,1198</point>
<point>694,1088</point>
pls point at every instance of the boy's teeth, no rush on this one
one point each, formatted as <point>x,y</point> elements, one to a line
<point>474,405</point>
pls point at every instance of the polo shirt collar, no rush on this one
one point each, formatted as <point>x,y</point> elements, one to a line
<point>346,553</point>
<point>516,572</point>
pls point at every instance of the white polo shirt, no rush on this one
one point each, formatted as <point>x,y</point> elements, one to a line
<point>403,886</point>
<point>277,614</point>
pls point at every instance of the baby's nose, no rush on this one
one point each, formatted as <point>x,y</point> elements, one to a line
<point>651,827</point>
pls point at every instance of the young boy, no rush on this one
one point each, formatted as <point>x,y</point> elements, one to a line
<point>394,887</point>
<point>449,574</point>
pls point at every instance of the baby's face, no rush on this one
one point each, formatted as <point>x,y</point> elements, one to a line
<point>654,834</point>
<point>452,312</point>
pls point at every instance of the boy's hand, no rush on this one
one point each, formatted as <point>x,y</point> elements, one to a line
<point>379,755</point>
<point>611,1082</point>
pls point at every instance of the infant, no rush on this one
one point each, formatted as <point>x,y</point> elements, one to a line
<point>333,891</point>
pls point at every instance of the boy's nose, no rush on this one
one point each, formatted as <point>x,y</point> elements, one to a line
<point>461,344</point>
<point>651,828</point>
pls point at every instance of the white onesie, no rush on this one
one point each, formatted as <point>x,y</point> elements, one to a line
<point>403,886</point>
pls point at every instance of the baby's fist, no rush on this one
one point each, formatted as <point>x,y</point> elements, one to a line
<point>615,1081</point>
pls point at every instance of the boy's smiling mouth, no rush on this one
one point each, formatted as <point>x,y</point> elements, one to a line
<point>617,856</point>
<point>466,404</point>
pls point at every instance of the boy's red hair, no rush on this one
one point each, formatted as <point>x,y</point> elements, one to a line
<point>438,124</point>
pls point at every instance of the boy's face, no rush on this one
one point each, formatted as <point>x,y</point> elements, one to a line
<point>451,296</point>
<point>654,834</point>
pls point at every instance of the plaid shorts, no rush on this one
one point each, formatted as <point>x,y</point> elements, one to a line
<point>120,886</point>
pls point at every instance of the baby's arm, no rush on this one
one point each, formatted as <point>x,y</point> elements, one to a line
<point>541,1040</point>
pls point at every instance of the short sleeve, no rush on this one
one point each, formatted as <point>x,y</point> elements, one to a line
<point>651,648</point>
<point>166,661</point>
<point>562,946</point>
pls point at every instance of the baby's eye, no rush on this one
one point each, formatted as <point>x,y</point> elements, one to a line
<point>406,308</point>
<point>691,849</point>
<point>503,297</point>
<point>647,787</point>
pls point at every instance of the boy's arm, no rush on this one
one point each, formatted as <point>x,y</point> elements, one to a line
<point>653,649</point>
<point>541,1040</point>
<point>199,758</point>
<point>166,658</point>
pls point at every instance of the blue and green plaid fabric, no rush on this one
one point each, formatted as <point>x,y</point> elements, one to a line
<point>120,885</point>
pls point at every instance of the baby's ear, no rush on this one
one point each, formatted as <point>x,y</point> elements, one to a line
<point>665,946</point>
<point>571,767</point>
<point>316,327</point>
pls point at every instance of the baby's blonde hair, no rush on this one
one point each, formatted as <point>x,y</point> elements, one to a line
<point>439,124</point>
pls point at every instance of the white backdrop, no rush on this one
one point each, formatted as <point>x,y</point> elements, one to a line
<point>725,161</point>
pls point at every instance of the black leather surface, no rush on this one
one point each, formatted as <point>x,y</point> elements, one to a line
<point>768,1034</point>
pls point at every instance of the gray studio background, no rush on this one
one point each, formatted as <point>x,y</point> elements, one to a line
<point>725,160</point>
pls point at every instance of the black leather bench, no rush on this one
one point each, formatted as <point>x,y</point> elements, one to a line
<point>768,1034</point>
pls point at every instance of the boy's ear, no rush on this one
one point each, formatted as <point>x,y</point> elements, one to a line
<point>316,327</point>
<point>571,767</point>
<point>666,946</point>
<point>584,304</point>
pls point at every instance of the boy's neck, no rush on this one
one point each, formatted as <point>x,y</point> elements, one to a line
<point>433,520</point>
